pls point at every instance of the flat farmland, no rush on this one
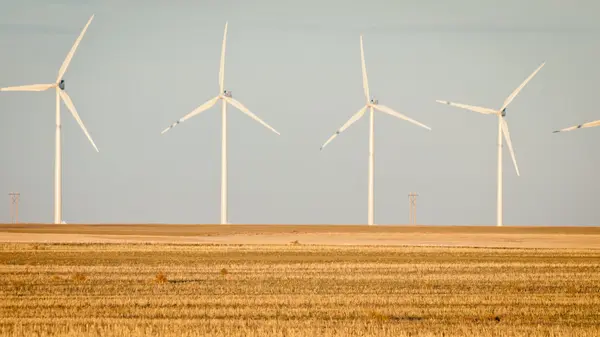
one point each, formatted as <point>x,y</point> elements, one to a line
<point>149,287</point>
<point>457,236</point>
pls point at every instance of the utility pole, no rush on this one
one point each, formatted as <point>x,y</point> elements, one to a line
<point>14,206</point>
<point>412,207</point>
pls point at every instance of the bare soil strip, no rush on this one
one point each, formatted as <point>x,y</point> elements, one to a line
<point>457,236</point>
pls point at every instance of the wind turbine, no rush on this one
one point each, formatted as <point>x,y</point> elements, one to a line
<point>502,129</point>
<point>372,103</point>
<point>580,126</point>
<point>59,85</point>
<point>226,97</point>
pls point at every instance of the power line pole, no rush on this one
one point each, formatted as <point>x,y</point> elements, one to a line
<point>14,206</point>
<point>412,207</point>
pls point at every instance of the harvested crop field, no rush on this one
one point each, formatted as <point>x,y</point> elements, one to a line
<point>296,290</point>
<point>457,236</point>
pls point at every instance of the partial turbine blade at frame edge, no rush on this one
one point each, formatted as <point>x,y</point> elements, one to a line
<point>205,106</point>
<point>69,103</point>
<point>32,87</point>
<point>245,110</point>
<point>504,127</point>
<point>580,126</point>
<point>358,115</point>
<point>396,114</point>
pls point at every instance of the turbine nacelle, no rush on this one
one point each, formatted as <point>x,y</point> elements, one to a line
<point>226,94</point>
<point>503,112</point>
<point>61,84</point>
<point>373,100</point>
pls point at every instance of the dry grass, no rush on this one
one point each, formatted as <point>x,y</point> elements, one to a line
<point>296,290</point>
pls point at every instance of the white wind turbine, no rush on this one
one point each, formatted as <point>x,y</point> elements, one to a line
<point>502,129</point>
<point>371,104</point>
<point>59,85</point>
<point>226,97</point>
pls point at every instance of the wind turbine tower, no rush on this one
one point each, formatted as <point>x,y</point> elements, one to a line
<point>371,104</point>
<point>502,130</point>
<point>225,97</point>
<point>61,93</point>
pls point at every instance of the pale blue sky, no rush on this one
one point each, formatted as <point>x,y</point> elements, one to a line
<point>142,65</point>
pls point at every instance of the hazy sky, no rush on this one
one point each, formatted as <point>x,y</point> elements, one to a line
<point>143,65</point>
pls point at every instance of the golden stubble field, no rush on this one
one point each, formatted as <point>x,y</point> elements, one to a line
<point>96,289</point>
<point>271,280</point>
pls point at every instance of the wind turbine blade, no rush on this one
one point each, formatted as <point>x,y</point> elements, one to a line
<point>65,97</point>
<point>512,96</point>
<point>391,112</point>
<point>32,87</point>
<point>508,141</point>
<point>580,126</point>
<point>364,70</point>
<point>222,66</point>
<point>205,106</point>
<point>65,64</point>
<point>479,109</point>
<point>245,110</point>
<point>346,125</point>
